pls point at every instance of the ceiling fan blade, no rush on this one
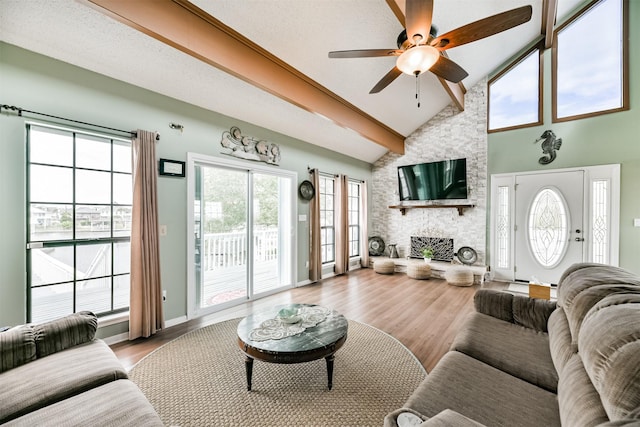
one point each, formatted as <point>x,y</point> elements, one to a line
<point>483,28</point>
<point>448,70</point>
<point>364,53</point>
<point>386,80</point>
<point>418,19</point>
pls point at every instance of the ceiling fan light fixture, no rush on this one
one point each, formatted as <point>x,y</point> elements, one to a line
<point>417,60</point>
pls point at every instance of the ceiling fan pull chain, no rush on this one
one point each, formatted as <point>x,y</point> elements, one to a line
<point>417,90</point>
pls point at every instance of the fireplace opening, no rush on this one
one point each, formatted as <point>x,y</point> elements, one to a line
<point>442,247</point>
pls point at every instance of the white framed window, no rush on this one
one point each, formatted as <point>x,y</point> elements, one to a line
<point>327,219</point>
<point>355,215</point>
<point>590,62</point>
<point>79,203</point>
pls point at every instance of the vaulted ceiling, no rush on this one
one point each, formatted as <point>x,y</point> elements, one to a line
<point>266,62</point>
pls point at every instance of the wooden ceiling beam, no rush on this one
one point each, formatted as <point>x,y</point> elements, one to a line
<point>182,25</point>
<point>549,11</point>
<point>455,91</point>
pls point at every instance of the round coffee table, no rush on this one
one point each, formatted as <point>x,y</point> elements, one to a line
<point>313,343</point>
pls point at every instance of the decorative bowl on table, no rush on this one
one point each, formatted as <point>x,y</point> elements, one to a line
<point>289,315</point>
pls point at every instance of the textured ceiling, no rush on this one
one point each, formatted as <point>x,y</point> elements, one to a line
<point>300,32</point>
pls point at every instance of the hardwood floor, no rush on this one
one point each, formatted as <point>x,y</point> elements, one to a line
<point>424,315</point>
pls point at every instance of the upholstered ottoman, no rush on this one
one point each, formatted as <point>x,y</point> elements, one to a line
<point>419,270</point>
<point>384,266</point>
<point>459,276</point>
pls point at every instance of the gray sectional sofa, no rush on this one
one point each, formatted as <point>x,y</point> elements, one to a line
<point>57,373</point>
<point>530,362</point>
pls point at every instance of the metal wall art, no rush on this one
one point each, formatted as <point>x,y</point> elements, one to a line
<point>550,144</point>
<point>249,148</point>
<point>442,247</point>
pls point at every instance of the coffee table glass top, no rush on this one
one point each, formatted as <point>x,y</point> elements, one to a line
<point>324,334</point>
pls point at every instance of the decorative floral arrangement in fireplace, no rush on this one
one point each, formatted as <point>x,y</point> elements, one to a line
<point>427,252</point>
<point>249,148</point>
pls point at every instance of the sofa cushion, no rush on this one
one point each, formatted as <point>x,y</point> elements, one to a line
<point>17,347</point>
<point>560,345</point>
<point>517,350</point>
<point>519,309</point>
<point>484,394</point>
<point>66,332</point>
<point>612,360</point>
<point>118,403</point>
<point>579,402</point>
<point>56,377</point>
<point>583,285</point>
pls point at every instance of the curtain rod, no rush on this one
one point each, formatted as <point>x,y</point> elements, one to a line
<point>22,110</point>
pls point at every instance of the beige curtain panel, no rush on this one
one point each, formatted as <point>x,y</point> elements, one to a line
<point>315,256</point>
<point>364,229</point>
<point>342,224</point>
<point>145,309</point>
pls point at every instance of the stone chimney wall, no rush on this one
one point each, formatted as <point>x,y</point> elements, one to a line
<point>449,135</point>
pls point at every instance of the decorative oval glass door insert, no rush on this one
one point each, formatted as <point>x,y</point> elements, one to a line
<point>548,227</point>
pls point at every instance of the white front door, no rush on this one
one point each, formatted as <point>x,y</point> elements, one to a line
<point>549,232</point>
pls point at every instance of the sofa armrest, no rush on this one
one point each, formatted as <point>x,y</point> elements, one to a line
<point>17,347</point>
<point>69,331</point>
<point>518,309</point>
<point>450,418</point>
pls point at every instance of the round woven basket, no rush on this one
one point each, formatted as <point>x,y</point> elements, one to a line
<point>419,270</point>
<point>384,266</point>
<point>459,276</point>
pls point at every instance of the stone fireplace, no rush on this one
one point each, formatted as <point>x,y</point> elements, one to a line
<point>450,134</point>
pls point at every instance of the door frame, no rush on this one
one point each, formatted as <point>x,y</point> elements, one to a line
<point>193,310</point>
<point>610,173</point>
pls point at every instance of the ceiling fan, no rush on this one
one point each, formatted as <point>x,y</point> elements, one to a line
<point>420,49</point>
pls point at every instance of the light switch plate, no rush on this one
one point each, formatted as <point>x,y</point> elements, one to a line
<point>636,222</point>
<point>302,218</point>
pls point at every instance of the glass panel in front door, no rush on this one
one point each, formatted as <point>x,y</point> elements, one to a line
<point>548,227</point>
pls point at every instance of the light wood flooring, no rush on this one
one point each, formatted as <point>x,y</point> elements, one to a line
<point>424,315</point>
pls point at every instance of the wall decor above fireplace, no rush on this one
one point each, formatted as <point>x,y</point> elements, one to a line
<point>442,247</point>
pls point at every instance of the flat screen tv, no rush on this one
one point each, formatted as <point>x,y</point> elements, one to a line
<point>443,180</point>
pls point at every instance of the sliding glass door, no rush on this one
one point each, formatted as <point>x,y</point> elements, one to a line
<point>241,246</point>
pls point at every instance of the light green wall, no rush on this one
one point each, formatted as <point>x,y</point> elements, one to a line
<point>605,139</point>
<point>39,83</point>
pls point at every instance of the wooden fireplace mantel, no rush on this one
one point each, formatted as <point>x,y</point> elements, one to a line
<point>460,208</point>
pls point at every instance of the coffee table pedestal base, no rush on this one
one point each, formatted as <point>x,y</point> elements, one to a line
<point>329,359</point>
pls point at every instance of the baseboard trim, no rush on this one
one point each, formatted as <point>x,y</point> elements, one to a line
<point>114,339</point>
<point>174,322</point>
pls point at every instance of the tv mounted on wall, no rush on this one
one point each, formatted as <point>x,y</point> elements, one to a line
<point>442,180</point>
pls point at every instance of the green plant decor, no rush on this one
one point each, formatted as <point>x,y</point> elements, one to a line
<point>427,252</point>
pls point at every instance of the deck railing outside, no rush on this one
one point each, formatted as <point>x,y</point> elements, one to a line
<point>230,249</point>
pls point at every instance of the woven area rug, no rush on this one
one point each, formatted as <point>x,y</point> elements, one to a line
<point>199,380</point>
